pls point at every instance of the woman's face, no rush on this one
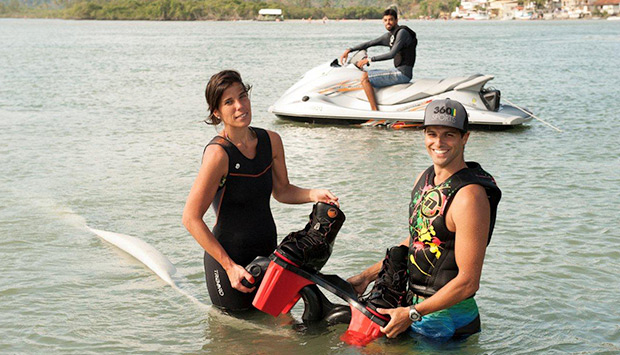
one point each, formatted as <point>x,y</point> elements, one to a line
<point>235,108</point>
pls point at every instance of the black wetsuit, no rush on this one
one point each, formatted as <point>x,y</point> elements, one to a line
<point>245,227</point>
<point>402,42</point>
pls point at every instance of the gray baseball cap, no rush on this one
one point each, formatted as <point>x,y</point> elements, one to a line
<point>447,113</point>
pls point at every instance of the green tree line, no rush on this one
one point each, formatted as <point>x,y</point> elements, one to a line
<point>189,10</point>
<point>184,10</point>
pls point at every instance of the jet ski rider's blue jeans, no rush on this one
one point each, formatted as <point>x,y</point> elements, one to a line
<point>386,77</point>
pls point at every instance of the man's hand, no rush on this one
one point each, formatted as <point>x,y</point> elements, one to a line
<point>359,283</point>
<point>344,56</point>
<point>360,64</point>
<point>399,321</point>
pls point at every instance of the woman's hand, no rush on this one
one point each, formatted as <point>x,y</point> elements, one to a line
<point>236,273</point>
<point>359,283</point>
<point>324,195</point>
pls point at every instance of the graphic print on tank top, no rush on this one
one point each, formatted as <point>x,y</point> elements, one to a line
<point>432,260</point>
<point>427,205</point>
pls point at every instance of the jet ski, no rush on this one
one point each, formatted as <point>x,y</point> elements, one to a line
<point>332,93</point>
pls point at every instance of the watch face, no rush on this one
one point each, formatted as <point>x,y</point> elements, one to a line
<point>414,315</point>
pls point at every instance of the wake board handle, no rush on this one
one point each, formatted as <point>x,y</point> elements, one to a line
<point>257,269</point>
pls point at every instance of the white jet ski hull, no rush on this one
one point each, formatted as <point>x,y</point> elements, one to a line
<point>333,94</point>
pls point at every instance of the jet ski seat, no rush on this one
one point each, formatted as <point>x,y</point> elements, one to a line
<point>416,90</point>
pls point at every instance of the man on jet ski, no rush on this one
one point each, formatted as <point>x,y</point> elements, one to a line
<point>402,42</point>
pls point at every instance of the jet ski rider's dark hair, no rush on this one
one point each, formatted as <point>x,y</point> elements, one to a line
<point>215,89</point>
<point>391,12</point>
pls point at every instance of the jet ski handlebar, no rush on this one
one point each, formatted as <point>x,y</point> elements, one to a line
<point>356,57</point>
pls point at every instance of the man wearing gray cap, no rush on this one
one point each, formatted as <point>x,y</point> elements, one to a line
<point>451,219</point>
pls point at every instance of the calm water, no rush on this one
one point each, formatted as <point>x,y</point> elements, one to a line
<point>100,125</point>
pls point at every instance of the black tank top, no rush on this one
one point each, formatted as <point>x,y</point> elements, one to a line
<point>407,55</point>
<point>432,262</point>
<point>245,227</point>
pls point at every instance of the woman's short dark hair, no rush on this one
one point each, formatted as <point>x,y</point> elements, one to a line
<point>215,89</point>
<point>391,12</point>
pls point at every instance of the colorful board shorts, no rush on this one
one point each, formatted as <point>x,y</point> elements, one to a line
<point>379,78</point>
<point>460,320</point>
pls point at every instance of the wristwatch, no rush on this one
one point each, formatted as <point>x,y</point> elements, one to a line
<point>414,315</point>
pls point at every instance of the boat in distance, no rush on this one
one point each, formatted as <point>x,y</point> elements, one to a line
<point>332,93</point>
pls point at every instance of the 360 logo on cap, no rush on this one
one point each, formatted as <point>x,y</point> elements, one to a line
<point>448,113</point>
<point>445,114</point>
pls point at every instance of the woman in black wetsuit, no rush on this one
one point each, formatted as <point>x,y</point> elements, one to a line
<point>241,168</point>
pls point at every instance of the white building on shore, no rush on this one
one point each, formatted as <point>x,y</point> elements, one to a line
<point>270,15</point>
<point>610,7</point>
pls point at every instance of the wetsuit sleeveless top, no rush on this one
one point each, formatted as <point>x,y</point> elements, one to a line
<point>402,48</point>
<point>431,261</point>
<point>245,227</point>
<point>406,56</point>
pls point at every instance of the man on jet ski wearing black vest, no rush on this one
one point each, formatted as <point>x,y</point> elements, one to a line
<point>402,42</point>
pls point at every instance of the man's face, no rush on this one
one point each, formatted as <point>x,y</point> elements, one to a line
<point>445,145</point>
<point>389,22</point>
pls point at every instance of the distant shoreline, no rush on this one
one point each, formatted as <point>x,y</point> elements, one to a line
<point>611,18</point>
<point>312,11</point>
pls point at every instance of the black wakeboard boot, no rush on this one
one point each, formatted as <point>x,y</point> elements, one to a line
<point>390,288</point>
<point>310,247</point>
